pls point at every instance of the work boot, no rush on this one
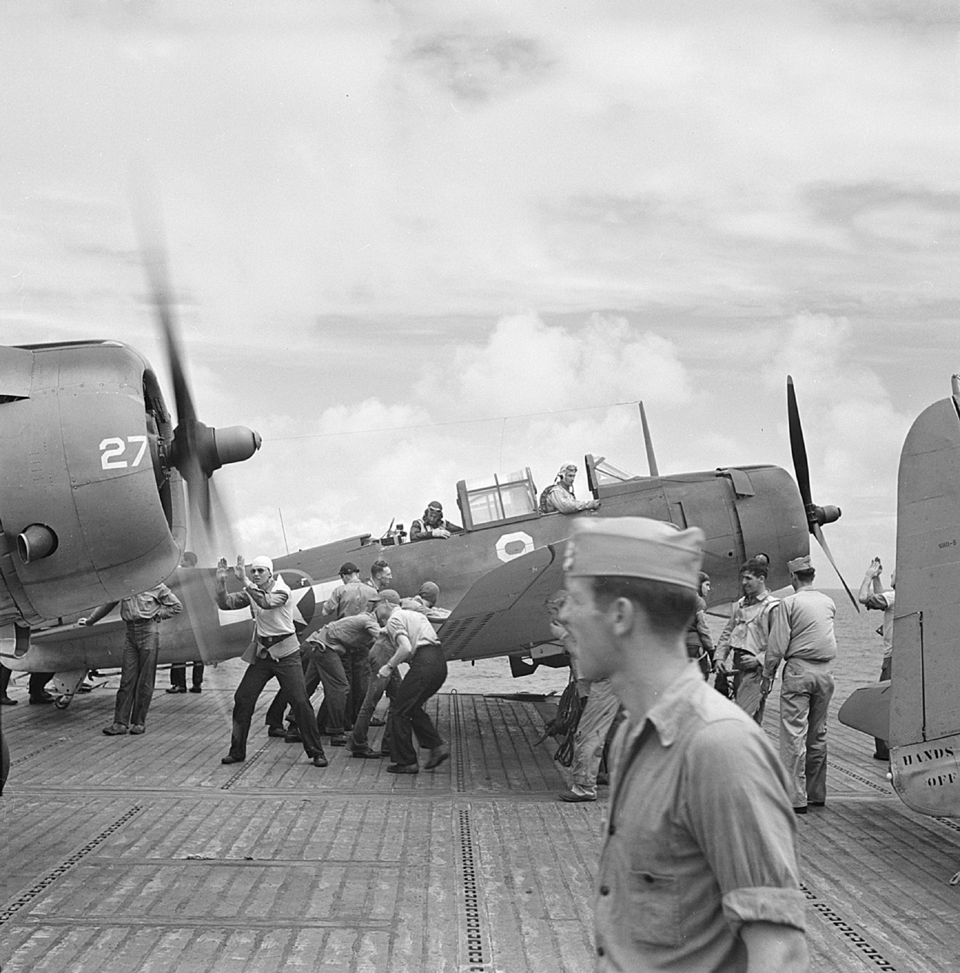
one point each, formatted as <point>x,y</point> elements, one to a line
<point>572,797</point>
<point>115,730</point>
<point>437,756</point>
<point>403,769</point>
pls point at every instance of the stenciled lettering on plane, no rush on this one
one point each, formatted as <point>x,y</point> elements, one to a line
<point>936,753</point>
<point>514,545</point>
<point>917,761</point>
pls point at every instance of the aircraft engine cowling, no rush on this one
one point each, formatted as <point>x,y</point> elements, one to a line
<point>90,510</point>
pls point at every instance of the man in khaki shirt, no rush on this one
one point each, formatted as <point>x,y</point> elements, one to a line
<point>698,871</point>
<point>803,638</point>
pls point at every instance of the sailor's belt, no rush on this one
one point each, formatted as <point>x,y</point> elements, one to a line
<point>267,640</point>
<point>745,661</point>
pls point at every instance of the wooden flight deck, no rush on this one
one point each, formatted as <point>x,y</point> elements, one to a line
<point>144,853</point>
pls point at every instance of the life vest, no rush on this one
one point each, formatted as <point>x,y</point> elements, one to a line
<point>545,507</point>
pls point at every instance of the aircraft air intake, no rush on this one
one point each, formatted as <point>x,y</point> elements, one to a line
<point>36,542</point>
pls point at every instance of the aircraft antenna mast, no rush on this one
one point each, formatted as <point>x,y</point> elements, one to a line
<point>283,530</point>
<point>648,442</point>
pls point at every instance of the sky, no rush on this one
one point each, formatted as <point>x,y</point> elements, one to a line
<point>418,242</point>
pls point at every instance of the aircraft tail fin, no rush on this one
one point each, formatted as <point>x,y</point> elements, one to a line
<point>868,710</point>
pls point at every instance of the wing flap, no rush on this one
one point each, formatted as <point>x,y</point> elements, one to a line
<point>508,609</point>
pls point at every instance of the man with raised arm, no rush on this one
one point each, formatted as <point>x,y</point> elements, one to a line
<point>274,652</point>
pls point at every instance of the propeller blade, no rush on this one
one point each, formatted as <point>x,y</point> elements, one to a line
<point>221,523</point>
<point>198,495</point>
<point>818,533</point>
<point>210,529</point>
<point>197,449</point>
<point>196,588</point>
<point>797,448</point>
<point>153,248</point>
<point>209,538</point>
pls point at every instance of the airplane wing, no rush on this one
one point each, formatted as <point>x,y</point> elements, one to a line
<point>508,609</point>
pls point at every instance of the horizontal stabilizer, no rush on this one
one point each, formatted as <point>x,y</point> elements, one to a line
<point>508,609</point>
<point>868,710</point>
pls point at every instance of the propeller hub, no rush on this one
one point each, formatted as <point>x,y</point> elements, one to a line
<point>828,514</point>
<point>235,444</point>
<point>209,448</point>
<point>819,516</point>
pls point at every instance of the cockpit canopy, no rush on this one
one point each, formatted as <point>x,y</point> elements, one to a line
<point>497,499</point>
<point>507,497</point>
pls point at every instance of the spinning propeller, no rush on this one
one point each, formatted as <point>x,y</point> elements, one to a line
<point>197,450</point>
<point>816,516</point>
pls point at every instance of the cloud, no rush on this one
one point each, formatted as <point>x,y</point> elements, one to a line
<point>529,366</point>
<point>476,67</point>
<point>852,431</point>
<point>692,199</point>
<point>530,395</point>
<point>899,14</point>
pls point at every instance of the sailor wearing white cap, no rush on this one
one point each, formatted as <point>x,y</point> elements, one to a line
<point>274,651</point>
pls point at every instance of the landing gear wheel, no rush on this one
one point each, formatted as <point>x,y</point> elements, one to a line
<point>62,702</point>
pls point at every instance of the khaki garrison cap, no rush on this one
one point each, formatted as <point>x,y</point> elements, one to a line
<point>800,564</point>
<point>635,547</point>
<point>388,595</point>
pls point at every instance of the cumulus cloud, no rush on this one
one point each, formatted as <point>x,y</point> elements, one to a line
<point>532,395</point>
<point>852,431</point>
<point>475,67</point>
<point>694,200</point>
<point>529,366</point>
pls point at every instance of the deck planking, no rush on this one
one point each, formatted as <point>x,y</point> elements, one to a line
<point>146,854</point>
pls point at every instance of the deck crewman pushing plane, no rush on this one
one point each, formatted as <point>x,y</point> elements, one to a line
<point>698,869</point>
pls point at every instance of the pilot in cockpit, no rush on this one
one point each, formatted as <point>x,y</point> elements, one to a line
<point>559,496</point>
<point>432,524</point>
